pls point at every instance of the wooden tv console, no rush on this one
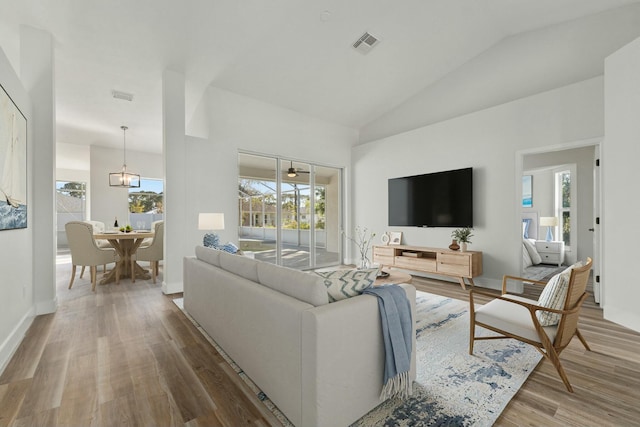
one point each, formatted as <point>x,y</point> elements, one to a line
<point>445,262</point>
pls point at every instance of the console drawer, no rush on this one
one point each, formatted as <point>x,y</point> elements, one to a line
<point>454,264</point>
<point>424,264</point>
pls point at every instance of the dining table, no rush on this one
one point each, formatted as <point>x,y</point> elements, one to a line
<point>126,244</point>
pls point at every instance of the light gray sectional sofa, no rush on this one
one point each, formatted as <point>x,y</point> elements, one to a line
<point>320,363</point>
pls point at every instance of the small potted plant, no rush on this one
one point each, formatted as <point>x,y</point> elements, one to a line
<point>463,236</point>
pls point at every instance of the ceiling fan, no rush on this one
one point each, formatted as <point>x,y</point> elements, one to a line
<point>293,172</point>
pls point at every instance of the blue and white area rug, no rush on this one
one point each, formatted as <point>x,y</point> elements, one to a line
<point>452,388</point>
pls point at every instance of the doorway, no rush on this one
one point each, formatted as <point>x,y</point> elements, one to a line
<point>554,171</point>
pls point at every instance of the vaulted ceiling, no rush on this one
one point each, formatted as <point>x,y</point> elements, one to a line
<point>291,53</point>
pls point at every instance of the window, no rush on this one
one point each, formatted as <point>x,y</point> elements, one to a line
<point>565,204</point>
<point>146,203</point>
<point>71,205</point>
<point>289,212</point>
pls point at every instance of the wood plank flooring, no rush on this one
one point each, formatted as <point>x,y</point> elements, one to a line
<point>127,356</point>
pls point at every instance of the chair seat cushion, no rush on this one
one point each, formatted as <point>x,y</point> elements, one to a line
<point>512,318</point>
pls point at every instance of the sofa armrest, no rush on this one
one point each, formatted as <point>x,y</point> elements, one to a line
<point>343,359</point>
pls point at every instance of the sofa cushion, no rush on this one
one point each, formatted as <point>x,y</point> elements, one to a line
<point>208,255</point>
<point>239,265</point>
<point>343,284</point>
<point>294,283</point>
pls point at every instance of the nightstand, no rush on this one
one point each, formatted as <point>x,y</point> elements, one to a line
<point>550,252</point>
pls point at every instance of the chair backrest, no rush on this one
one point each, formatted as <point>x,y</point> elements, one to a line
<point>155,251</point>
<point>98,226</point>
<point>84,250</point>
<point>576,294</point>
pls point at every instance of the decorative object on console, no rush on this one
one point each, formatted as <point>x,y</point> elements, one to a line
<point>395,238</point>
<point>454,246</point>
<point>549,222</point>
<point>462,235</point>
<point>212,222</point>
<point>123,178</point>
<point>385,238</point>
<point>363,239</point>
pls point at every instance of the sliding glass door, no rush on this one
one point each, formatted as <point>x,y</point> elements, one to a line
<point>289,212</point>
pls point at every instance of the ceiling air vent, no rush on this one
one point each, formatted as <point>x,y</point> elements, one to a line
<point>365,43</point>
<point>122,95</point>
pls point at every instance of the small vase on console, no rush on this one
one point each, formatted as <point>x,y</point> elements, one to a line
<point>463,247</point>
<point>454,245</point>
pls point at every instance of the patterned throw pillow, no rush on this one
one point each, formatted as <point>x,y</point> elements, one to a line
<point>343,284</point>
<point>229,247</point>
<point>554,295</point>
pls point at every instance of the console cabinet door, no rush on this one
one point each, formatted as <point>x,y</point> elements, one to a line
<point>457,264</point>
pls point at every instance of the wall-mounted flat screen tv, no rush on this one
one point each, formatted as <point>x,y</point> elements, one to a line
<point>441,199</point>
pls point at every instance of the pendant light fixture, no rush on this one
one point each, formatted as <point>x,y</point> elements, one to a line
<point>123,178</point>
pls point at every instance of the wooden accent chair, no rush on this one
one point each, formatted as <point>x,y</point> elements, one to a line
<point>85,251</point>
<point>153,253</point>
<point>515,317</point>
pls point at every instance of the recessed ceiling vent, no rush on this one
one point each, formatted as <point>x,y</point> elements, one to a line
<point>122,95</point>
<point>365,43</point>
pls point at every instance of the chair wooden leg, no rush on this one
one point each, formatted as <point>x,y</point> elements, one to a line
<point>154,270</point>
<point>118,273</point>
<point>133,270</point>
<point>73,275</point>
<point>94,271</point>
<point>81,271</point>
<point>472,323</point>
<point>582,340</point>
<point>554,358</point>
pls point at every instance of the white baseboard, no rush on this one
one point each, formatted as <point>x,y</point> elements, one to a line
<point>10,345</point>
<point>172,288</point>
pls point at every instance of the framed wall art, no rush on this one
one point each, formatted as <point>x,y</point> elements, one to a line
<point>13,164</point>
<point>395,237</point>
<point>527,191</point>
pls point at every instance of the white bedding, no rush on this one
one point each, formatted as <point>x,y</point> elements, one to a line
<point>530,255</point>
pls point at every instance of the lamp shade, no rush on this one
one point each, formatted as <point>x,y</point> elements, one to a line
<point>548,221</point>
<point>211,221</point>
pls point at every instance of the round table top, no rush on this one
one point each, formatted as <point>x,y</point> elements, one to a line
<point>394,277</point>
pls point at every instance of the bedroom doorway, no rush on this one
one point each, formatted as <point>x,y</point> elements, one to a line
<point>565,199</point>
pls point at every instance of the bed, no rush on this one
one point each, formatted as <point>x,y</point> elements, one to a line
<point>530,255</point>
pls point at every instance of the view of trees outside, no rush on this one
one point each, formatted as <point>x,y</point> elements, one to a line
<point>565,180</point>
<point>258,204</point>
<point>148,198</point>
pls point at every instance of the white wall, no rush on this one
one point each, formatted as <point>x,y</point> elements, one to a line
<point>16,262</point>
<point>620,154</point>
<point>488,141</point>
<point>110,202</point>
<point>518,66</point>
<point>240,123</point>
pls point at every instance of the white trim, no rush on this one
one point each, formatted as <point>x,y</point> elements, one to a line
<point>46,307</point>
<point>172,288</point>
<point>12,342</point>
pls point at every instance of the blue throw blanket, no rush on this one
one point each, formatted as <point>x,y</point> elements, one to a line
<point>397,329</point>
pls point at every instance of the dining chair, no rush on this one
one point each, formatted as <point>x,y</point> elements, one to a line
<point>153,253</point>
<point>548,324</point>
<point>98,227</point>
<point>85,251</point>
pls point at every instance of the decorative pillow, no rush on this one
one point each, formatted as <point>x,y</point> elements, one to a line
<point>526,222</point>
<point>229,247</point>
<point>533,253</point>
<point>343,284</point>
<point>554,295</point>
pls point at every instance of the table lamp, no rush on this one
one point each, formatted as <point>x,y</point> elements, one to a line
<point>549,222</point>
<point>213,222</point>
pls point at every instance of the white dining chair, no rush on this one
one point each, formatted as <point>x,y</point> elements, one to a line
<point>85,251</point>
<point>153,253</point>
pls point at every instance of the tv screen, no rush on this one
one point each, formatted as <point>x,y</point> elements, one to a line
<point>441,199</point>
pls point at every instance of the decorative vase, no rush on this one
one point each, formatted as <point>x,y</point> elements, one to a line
<point>454,245</point>
<point>364,263</point>
<point>463,247</point>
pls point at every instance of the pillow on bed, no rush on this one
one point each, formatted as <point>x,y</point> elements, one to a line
<point>526,258</point>
<point>533,253</point>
